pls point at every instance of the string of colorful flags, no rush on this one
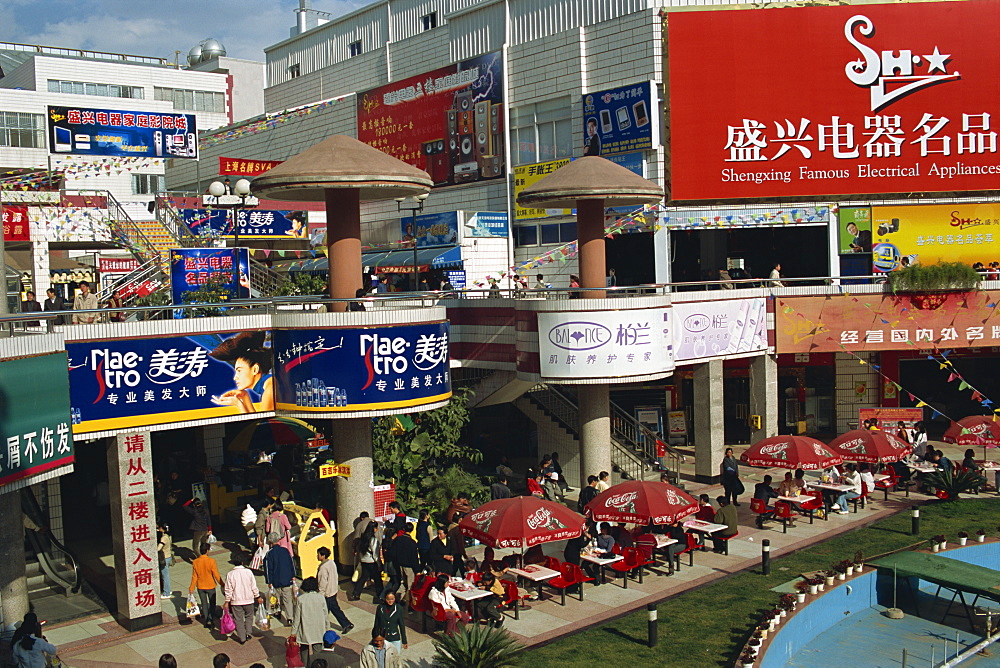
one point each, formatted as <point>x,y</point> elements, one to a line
<point>269,122</point>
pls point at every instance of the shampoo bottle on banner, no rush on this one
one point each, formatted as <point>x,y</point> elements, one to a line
<point>323,402</point>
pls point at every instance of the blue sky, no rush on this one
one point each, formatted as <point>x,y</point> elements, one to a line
<point>151,28</point>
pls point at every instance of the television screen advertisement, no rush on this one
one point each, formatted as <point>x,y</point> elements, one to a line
<point>873,98</point>
<point>910,235</point>
<point>114,132</point>
<point>448,122</point>
<point>132,383</point>
<point>854,224</point>
<point>431,229</point>
<point>605,344</point>
<point>362,368</point>
<point>254,223</point>
<point>35,424</point>
<point>194,268</point>
<point>619,120</point>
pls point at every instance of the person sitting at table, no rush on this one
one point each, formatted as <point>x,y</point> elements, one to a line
<point>622,536</point>
<point>929,453</point>
<point>677,532</point>
<point>487,607</point>
<point>534,555</point>
<point>942,462</point>
<point>970,463</point>
<point>605,544</point>
<point>535,484</point>
<point>439,556</point>
<point>645,542</point>
<point>833,474</point>
<point>853,479</point>
<point>800,480</point>
<point>440,594</point>
<point>706,513</point>
<point>725,515</point>
<point>919,439</point>
<point>867,477</point>
<point>764,492</point>
<point>499,568</point>
<point>787,487</point>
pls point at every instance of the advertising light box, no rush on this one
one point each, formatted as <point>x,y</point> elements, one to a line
<point>873,98</point>
<point>137,134</point>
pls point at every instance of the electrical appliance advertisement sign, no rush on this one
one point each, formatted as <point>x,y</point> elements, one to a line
<point>619,120</point>
<point>194,268</point>
<point>131,383</point>
<point>135,134</point>
<point>873,98</point>
<point>362,369</point>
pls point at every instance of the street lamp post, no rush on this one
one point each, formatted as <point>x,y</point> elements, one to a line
<point>242,190</point>
<point>413,205</point>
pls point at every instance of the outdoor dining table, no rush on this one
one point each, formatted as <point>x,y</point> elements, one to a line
<point>535,573</point>
<point>923,468</point>
<point>832,489</point>
<point>602,560</point>
<point>468,592</point>
<point>703,526</point>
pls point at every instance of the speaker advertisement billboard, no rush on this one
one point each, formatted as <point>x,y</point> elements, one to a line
<point>362,368</point>
<point>130,383</point>
<point>448,122</point>
<point>135,134</point>
<point>873,98</point>
<point>909,235</point>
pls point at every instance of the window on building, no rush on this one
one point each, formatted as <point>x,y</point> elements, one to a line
<point>526,235</point>
<point>96,89</point>
<point>148,184</point>
<point>21,130</point>
<point>354,48</point>
<point>294,71</point>
<point>542,131</point>
<point>429,21</point>
<point>192,100</point>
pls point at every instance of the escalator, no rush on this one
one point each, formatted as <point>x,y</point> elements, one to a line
<point>53,572</point>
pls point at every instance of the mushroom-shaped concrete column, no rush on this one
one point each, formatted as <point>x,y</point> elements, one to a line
<point>589,184</point>
<point>343,172</point>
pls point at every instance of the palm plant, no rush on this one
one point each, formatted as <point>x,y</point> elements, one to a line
<point>476,646</point>
<point>949,485</point>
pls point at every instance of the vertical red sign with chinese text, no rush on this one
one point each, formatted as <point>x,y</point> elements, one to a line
<point>15,223</point>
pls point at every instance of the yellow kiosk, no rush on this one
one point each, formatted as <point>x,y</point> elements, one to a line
<point>310,531</point>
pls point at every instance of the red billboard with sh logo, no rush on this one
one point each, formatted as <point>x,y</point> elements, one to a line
<point>812,101</point>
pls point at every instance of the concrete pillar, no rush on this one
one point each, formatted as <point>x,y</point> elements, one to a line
<point>343,237</point>
<point>352,446</point>
<point>709,422</point>
<point>13,583</point>
<point>764,396</point>
<point>595,429</point>
<point>41,278</point>
<point>590,231</point>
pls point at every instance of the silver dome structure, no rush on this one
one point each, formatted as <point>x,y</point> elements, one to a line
<point>211,49</point>
<point>194,55</point>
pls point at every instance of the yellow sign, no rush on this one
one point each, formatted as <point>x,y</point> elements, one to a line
<point>527,175</point>
<point>332,470</point>
<point>908,235</point>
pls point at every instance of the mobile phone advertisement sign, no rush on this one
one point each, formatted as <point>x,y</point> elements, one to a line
<point>619,120</point>
<point>114,132</point>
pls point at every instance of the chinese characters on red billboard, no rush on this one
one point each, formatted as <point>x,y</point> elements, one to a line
<point>241,167</point>
<point>855,99</point>
<point>448,122</point>
<point>136,562</point>
<point>15,223</point>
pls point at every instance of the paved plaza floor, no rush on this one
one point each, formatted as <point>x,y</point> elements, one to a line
<point>99,642</point>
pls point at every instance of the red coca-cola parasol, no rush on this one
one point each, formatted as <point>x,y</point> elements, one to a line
<point>639,502</point>
<point>973,430</point>
<point>520,522</point>
<point>865,445</point>
<point>791,452</point>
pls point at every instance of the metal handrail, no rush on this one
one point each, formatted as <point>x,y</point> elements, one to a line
<point>29,505</point>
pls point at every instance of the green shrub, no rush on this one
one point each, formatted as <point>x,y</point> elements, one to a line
<point>933,278</point>
<point>477,647</point>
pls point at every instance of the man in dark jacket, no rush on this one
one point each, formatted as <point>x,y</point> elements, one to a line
<point>588,493</point>
<point>499,489</point>
<point>279,569</point>
<point>403,555</point>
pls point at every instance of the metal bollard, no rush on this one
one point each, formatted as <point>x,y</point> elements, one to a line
<point>652,629</point>
<point>914,520</point>
<point>765,556</point>
<point>904,657</point>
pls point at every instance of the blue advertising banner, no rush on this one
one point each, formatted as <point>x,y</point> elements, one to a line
<point>256,223</point>
<point>488,224</point>
<point>136,134</point>
<point>619,120</point>
<point>139,382</point>
<point>432,229</point>
<point>362,369</point>
<point>193,268</point>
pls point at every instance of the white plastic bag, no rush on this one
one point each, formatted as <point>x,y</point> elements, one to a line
<point>192,609</point>
<point>263,619</point>
<point>257,563</point>
<point>211,540</point>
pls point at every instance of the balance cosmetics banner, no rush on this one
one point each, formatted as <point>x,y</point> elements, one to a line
<point>359,369</point>
<point>619,120</point>
<point>714,329</point>
<point>137,382</point>
<point>255,223</point>
<point>872,98</point>
<point>35,420</point>
<point>194,268</point>
<point>127,133</point>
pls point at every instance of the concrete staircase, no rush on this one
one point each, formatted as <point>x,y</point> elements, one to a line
<point>159,236</point>
<point>500,387</point>
<point>554,437</point>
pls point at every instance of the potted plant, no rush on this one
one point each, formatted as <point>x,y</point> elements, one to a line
<point>828,577</point>
<point>771,619</point>
<point>800,591</point>
<point>981,536</point>
<point>859,561</point>
<point>763,631</point>
<point>840,570</point>
<point>786,604</point>
<point>849,567</point>
<point>477,646</point>
<point>815,585</point>
<point>756,639</point>
<point>940,542</point>
<point>747,659</point>
<point>963,537</point>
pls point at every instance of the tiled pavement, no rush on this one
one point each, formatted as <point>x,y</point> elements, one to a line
<point>99,642</point>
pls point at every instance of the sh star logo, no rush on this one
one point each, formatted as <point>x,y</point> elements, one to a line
<point>890,76</point>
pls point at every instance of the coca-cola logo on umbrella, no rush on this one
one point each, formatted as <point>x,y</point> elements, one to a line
<point>623,502</point>
<point>854,445</point>
<point>673,498</point>
<point>776,450</point>
<point>819,450</point>
<point>542,518</point>
<point>483,519</point>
